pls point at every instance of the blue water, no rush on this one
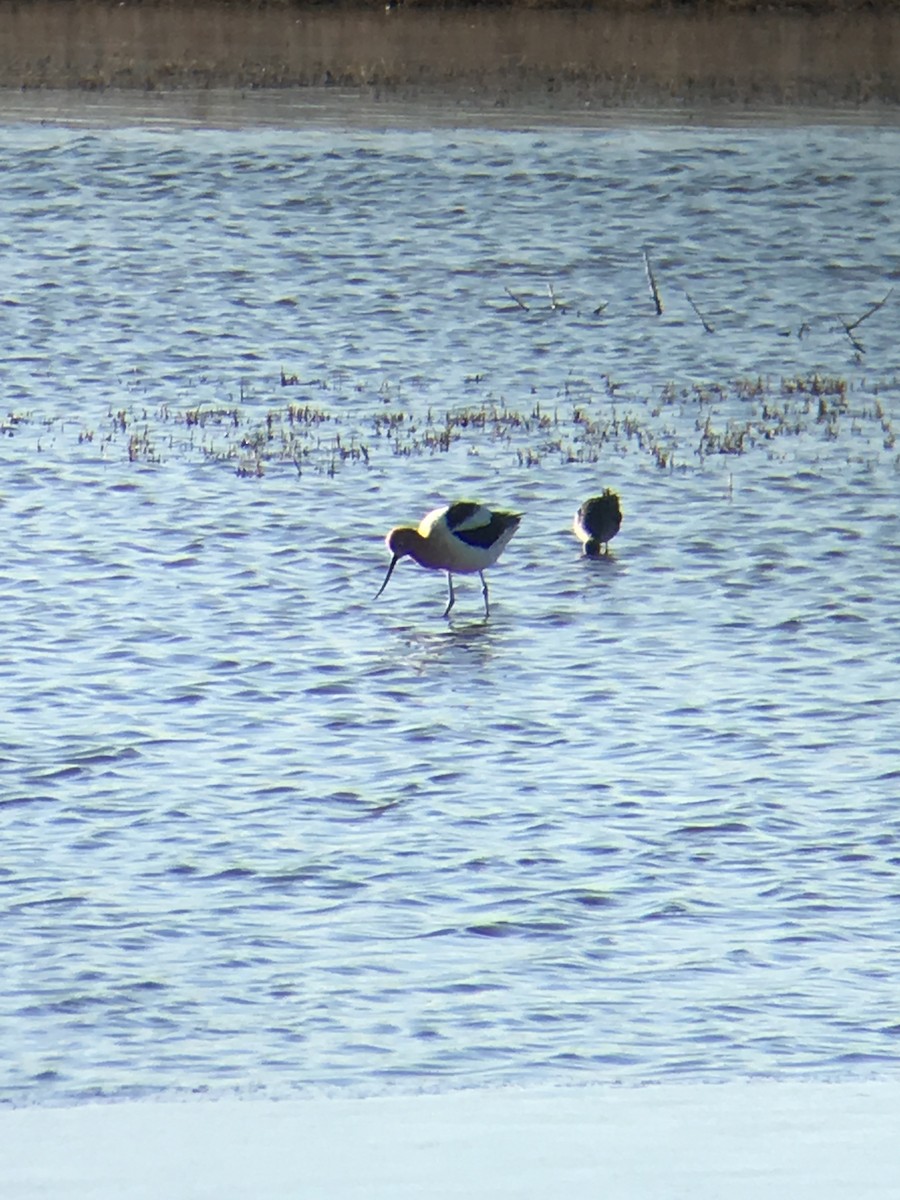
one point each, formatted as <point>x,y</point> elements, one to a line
<point>263,832</point>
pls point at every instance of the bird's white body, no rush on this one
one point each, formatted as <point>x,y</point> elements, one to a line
<point>462,538</point>
<point>457,545</point>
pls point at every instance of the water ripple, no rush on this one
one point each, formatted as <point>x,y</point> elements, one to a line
<point>261,828</point>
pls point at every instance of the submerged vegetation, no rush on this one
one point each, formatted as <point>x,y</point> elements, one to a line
<point>329,426</point>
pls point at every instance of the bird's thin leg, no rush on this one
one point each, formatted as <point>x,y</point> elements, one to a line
<point>452,599</point>
<point>484,592</point>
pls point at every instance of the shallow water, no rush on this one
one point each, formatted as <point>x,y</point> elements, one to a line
<point>263,832</point>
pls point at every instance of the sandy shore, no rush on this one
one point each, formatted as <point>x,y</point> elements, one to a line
<point>627,54</point>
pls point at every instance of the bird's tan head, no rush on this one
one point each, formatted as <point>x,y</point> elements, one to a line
<point>400,541</point>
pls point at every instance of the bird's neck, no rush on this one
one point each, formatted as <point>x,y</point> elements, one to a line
<point>410,542</point>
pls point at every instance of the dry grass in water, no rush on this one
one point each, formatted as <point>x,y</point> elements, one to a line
<point>679,428</point>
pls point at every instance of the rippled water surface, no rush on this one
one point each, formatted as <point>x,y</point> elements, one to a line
<point>262,831</point>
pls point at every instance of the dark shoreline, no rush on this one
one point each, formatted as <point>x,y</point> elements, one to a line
<point>737,53</point>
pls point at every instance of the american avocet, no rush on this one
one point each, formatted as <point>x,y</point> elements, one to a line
<point>462,538</point>
<point>597,522</point>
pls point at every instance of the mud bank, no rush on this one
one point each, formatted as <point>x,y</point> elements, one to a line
<point>629,55</point>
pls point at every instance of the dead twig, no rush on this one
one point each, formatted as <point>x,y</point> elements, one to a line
<point>868,313</point>
<point>654,290</point>
<point>854,342</point>
<point>849,326</point>
<point>703,321</point>
<point>554,303</point>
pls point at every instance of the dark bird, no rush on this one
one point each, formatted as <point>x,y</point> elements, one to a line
<point>463,537</point>
<point>597,522</point>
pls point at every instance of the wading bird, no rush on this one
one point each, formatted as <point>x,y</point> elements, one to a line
<point>597,522</point>
<point>463,538</point>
